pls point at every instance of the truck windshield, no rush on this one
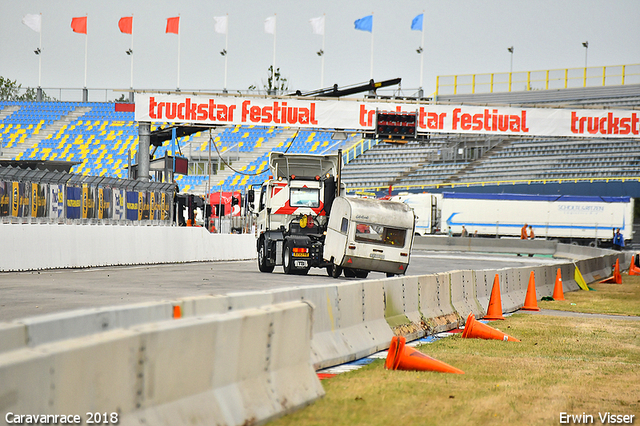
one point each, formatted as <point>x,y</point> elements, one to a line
<point>304,197</point>
<point>368,233</point>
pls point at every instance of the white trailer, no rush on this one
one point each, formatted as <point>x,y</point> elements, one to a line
<point>426,207</point>
<point>567,218</point>
<point>365,235</point>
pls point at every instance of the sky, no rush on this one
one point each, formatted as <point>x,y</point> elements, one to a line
<point>461,37</point>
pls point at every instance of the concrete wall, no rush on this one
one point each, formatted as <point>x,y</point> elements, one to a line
<point>241,367</point>
<point>243,356</point>
<point>81,246</point>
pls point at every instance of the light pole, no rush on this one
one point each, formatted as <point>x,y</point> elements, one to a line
<point>586,51</point>
<point>510,49</point>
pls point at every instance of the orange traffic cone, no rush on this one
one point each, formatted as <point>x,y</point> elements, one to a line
<point>633,269</point>
<point>402,357</point>
<point>177,312</point>
<point>494,310</point>
<point>616,278</point>
<point>474,329</point>
<point>558,293</point>
<point>530,300</point>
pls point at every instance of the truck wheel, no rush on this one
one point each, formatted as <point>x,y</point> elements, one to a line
<point>287,261</point>
<point>390,274</point>
<point>262,259</point>
<point>349,273</point>
<point>361,273</point>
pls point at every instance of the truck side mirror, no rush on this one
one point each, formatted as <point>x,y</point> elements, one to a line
<point>250,200</point>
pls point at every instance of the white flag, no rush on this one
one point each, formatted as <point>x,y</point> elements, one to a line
<point>33,21</point>
<point>317,25</point>
<point>270,25</point>
<point>221,24</point>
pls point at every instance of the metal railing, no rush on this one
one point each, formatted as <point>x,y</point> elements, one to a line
<point>358,148</point>
<point>564,78</point>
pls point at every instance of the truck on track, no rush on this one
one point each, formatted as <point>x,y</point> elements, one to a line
<point>294,208</point>
<point>588,220</point>
<point>292,211</point>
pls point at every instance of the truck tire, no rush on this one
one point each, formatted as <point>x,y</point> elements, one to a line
<point>262,259</point>
<point>360,273</point>
<point>349,273</point>
<point>287,262</point>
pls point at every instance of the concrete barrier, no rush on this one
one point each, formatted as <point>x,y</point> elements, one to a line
<point>463,296</point>
<point>435,303</point>
<point>235,359</point>
<point>402,307</point>
<point>486,245</point>
<point>81,246</point>
<point>12,336</point>
<point>236,368</point>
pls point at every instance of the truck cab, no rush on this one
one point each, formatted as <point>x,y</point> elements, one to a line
<point>292,210</point>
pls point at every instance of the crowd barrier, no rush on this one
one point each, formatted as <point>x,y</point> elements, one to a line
<point>42,196</point>
<point>349,320</point>
<point>48,246</point>
<point>240,367</point>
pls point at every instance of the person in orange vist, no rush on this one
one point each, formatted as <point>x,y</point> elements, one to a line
<point>523,232</point>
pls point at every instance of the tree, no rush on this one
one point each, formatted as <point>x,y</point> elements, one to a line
<point>276,83</point>
<point>10,91</point>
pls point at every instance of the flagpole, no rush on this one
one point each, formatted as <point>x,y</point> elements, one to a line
<point>273,71</point>
<point>324,23</point>
<point>40,56</point>
<point>178,85</point>
<point>226,49</point>
<point>371,73</point>
<point>131,51</point>
<point>86,37</point>
<point>422,56</point>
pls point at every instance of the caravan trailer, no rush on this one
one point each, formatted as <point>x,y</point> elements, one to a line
<point>369,235</point>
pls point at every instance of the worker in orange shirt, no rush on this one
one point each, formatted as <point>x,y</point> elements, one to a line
<point>523,233</point>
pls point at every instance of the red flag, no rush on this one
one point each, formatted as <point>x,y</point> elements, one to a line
<point>79,25</point>
<point>173,24</point>
<point>126,24</point>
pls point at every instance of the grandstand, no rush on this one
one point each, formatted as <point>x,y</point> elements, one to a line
<point>100,139</point>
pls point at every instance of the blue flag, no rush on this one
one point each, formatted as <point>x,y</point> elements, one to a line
<point>416,24</point>
<point>365,24</point>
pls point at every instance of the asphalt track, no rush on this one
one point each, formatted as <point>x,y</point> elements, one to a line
<point>26,294</point>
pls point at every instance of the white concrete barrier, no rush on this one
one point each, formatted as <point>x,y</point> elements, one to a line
<point>463,296</point>
<point>402,307</point>
<point>435,303</point>
<point>12,336</point>
<point>80,246</point>
<point>66,325</point>
<point>236,368</point>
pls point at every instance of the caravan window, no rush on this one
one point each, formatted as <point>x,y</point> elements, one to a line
<point>304,197</point>
<point>368,233</point>
<point>344,226</point>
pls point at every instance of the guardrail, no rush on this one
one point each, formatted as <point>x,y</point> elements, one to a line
<point>538,80</point>
<point>243,357</point>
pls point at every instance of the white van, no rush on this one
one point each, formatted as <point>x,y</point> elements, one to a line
<point>368,235</point>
